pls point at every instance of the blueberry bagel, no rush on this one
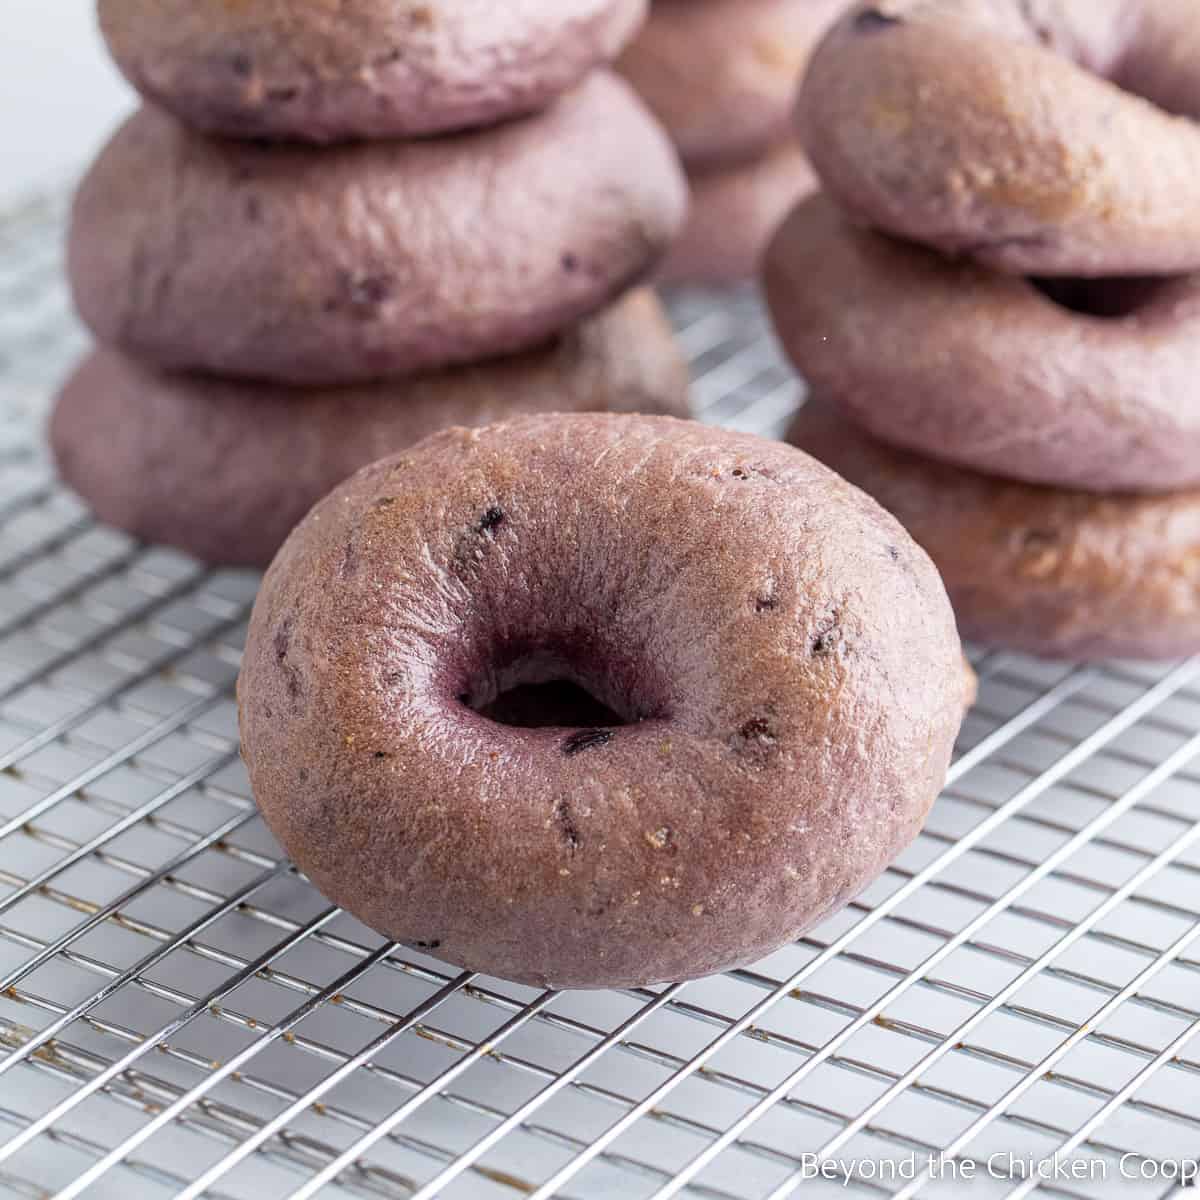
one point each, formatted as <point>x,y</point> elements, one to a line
<point>1060,573</point>
<point>324,71</point>
<point>721,75</point>
<point>223,469</point>
<point>373,260</point>
<point>771,678</point>
<point>1080,384</point>
<point>1042,137</point>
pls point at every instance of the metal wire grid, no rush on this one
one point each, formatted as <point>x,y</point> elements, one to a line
<point>184,1015</point>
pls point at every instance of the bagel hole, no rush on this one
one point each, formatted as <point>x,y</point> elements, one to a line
<point>1110,298</point>
<point>541,690</point>
<point>1141,73</point>
<point>560,702</point>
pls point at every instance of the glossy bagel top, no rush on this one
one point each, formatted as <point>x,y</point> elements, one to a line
<point>335,70</point>
<point>1051,137</point>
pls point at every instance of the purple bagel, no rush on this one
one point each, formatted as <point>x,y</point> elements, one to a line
<point>1064,574</point>
<point>983,369</point>
<point>734,212</point>
<point>224,469</point>
<point>325,72</point>
<point>778,661</point>
<point>721,75</point>
<point>365,262</point>
<point>1040,138</point>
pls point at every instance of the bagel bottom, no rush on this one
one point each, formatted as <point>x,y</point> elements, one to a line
<point>223,469</point>
<point>1064,574</point>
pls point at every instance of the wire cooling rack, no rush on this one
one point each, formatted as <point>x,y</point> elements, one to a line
<point>181,1014</point>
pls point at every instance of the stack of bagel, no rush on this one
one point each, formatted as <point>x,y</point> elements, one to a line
<point>995,306</point>
<point>335,229</point>
<point>721,76</point>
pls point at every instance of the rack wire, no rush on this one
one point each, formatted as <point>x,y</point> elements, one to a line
<point>182,1014</point>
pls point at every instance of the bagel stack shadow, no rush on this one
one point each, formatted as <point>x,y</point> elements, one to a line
<point>317,243</point>
<point>721,76</point>
<point>995,305</point>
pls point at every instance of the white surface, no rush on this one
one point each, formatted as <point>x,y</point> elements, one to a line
<point>60,96</point>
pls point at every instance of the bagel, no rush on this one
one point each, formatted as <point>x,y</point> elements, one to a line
<point>364,262</point>
<point>721,74</point>
<point>327,72</point>
<point>1041,137</point>
<point>223,469</point>
<point>778,662</point>
<point>986,370</point>
<point>1063,574</point>
<point>734,212</point>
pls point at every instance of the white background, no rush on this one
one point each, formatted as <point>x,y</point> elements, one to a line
<point>60,96</point>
